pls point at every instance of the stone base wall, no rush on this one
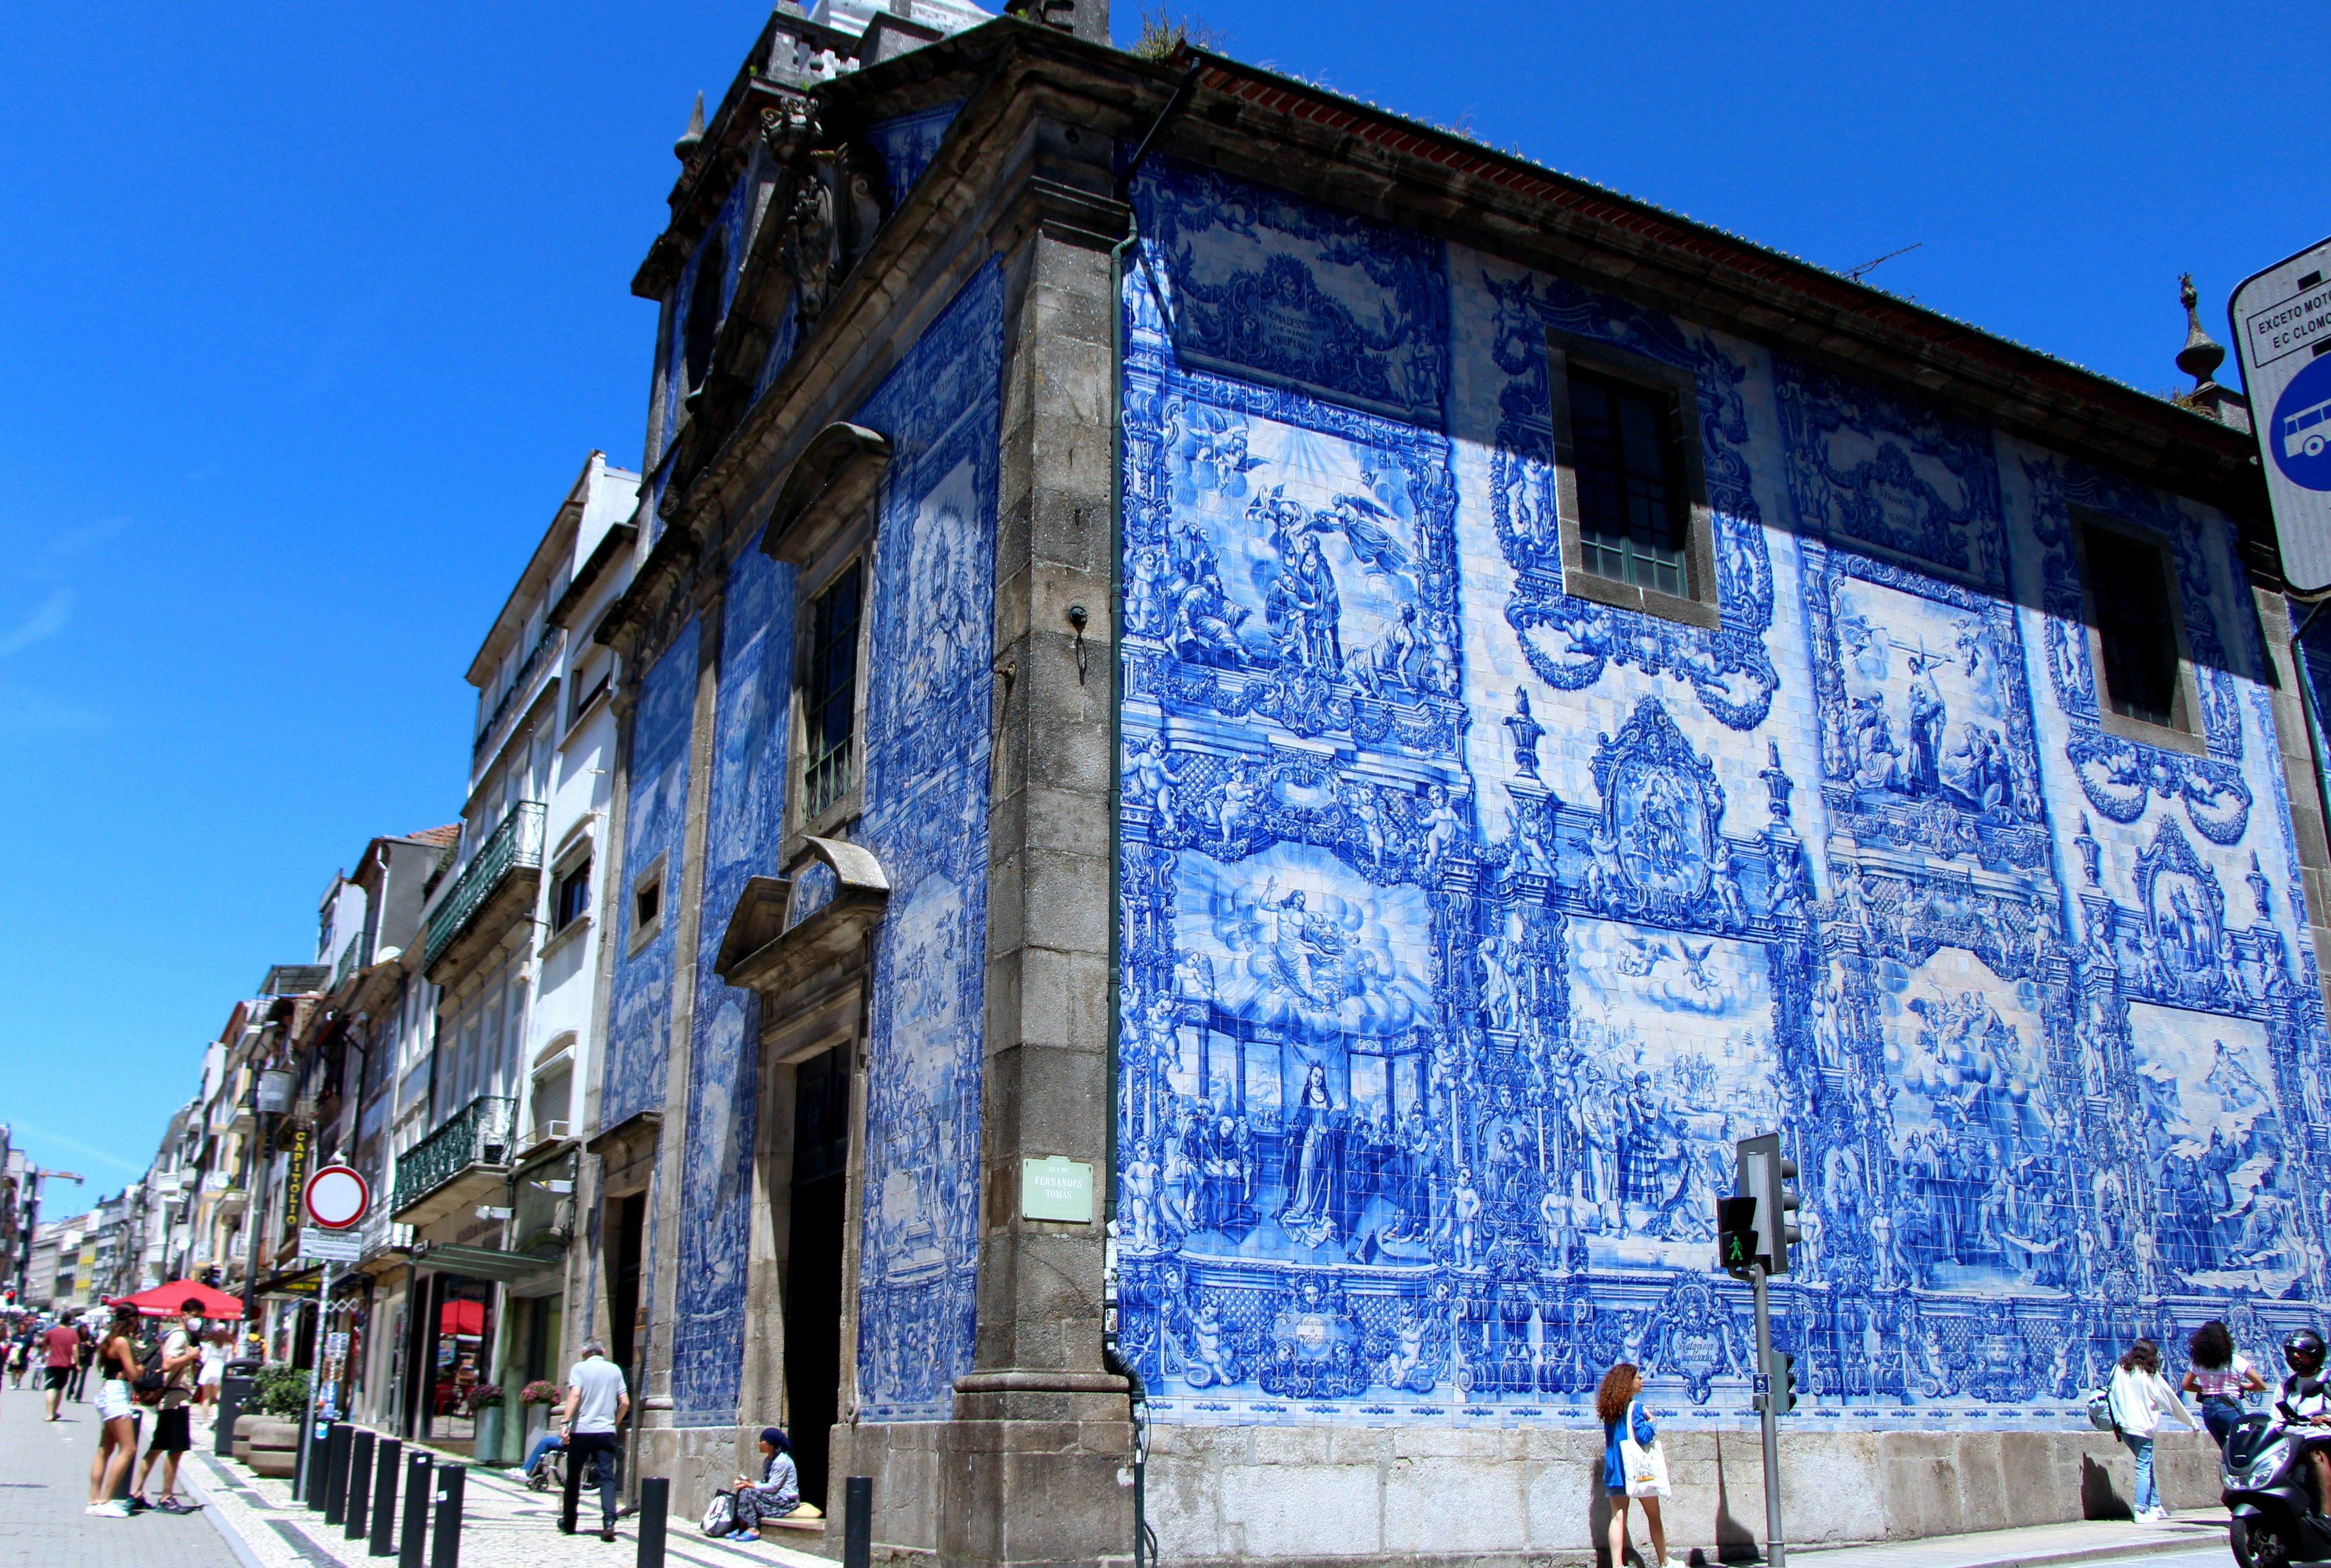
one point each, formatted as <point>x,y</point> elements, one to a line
<point>699,1460</point>
<point>1530,1499</point>
<point>904,1460</point>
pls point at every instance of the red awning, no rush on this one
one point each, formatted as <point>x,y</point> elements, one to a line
<point>169,1300</point>
<point>462,1317</point>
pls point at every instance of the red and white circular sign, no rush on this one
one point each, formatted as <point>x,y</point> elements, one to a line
<point>336,1197</point>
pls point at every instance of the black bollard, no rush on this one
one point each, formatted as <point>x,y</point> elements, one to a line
<point>384,1498</point>
<point>857,1521</point>
<point>232,1391</point>
<point>445,1551</point>
<point>655,1511</point>
<point>356,1514</point>
<point>415,1539</point>
<point>336,1472</point>
<point>315,1465</point>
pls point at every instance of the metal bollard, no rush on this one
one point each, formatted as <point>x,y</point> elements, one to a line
<point>445,1550</point>
<point>356,1513</point>
<point>232,1391</point>
<point>336,1472</point>
<point>857,1521</point>
<point>384,1498</point>
<point>415,1538</point>
<point>655,1512</point>
<point>314,1462</point>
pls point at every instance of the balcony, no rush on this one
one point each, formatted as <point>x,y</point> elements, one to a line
<point>498,884</point>
<point>456,1166</point>
<point>521,689</point>
<point>353,957</point>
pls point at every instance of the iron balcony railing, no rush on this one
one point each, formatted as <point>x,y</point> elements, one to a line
<point>515,846</point>
<point>521,683</point>
<point>353,957</point>
<point>478,1134</point>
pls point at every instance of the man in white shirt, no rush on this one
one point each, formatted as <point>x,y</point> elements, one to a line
<point>173,1434</point>
<point>596,1403</point>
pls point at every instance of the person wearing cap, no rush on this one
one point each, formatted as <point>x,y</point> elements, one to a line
<point>778,1491</point>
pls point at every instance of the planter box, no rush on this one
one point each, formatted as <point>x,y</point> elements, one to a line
<point>272,1445</point>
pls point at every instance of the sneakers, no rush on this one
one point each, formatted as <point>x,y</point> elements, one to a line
<point>173,1506</point>
<point>2151,1516</point>
<point>134,1503</point>
<point>117,1509</point>
<point>608,1533</point>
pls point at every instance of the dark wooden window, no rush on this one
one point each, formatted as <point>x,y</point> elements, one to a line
<point>702,328</point>
<point>1632,516</point>
<point>573,899</point>
<point>2137,629</point>
<point>647,901</point>
<point>830,701</point>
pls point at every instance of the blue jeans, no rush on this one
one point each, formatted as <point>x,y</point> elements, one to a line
<point>2146,1496</point>
<point>542,1445</point>
<point>2220,1414</point>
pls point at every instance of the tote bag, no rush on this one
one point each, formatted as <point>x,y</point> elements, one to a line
<point>1644,1466</point>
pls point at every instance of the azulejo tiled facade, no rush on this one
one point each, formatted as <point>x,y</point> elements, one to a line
<point>1466,923</point>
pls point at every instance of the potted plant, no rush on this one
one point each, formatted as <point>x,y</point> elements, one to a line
<point>486,1408</point>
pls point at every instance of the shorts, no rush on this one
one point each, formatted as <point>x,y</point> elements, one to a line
<point>113,1403</point>
<point>171,1435</point>
<point>211,1373</point>
<point>59,1377</point>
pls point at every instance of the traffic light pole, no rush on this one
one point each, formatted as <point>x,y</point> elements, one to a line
<point>1775,1548</point>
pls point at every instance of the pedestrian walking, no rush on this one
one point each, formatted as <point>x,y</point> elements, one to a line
<point>2218,1375</point>
<point>116,1442</point>
<point>60,1346</point>
<point>2139,1401</point>
<point>20,1355</point>
<point>1633,1467</point>
<point>211,1374</point>
<point>82,1360</point>
<point>596,1403</point>
<point>173,1435</point>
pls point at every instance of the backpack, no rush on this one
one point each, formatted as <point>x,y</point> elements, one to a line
<point>2100,1414</point>
<point>151,1381</point>
<point>720,1513</point>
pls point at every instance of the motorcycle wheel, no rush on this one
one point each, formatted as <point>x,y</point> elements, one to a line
<point>2257,1543</point>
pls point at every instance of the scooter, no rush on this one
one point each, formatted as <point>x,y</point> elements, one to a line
<point>2270,1488</point>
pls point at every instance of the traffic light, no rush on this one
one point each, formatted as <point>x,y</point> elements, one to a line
<point>1760,1172</point>
<point>1736,1234</point>
<point>1784,1382</point>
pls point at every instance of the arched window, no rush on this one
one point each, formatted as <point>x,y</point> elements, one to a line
<point>703,323</point>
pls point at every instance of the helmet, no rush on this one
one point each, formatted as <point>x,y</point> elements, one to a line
<point>2304,1351</point>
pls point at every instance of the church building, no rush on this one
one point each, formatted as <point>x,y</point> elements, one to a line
<point>1252,734</point>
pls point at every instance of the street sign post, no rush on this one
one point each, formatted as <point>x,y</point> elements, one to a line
<point>2281,320</point>
<point>336,1199</point>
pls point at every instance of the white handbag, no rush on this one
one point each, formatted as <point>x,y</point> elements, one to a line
<point>1644,1466</point>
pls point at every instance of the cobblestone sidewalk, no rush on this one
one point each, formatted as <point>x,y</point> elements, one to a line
<point>44,1486</point>
<point>503,1526</point>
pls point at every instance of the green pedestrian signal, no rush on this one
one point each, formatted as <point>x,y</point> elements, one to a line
<point>1735,1235</point>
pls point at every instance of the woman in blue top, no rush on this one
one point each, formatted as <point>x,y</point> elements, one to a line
<point>1614,1401</point>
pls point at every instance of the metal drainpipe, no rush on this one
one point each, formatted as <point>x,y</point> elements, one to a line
<point>1144,1540</point>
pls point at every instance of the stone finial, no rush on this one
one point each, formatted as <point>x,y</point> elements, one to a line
<point>693,137</point>
<point>2201,356</point>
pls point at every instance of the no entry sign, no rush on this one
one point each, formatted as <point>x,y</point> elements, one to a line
<point>336,1198</point>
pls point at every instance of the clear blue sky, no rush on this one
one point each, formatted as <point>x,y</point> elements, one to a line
<point>312,315</point>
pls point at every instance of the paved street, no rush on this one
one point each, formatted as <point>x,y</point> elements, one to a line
<point>44,1486</point>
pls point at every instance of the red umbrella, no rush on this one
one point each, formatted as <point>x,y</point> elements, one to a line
<point>169,1300</point>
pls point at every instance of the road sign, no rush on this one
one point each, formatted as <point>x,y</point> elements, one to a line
<point>2281,320</point>
<point>336,1198</point>
<point>328,1246</point>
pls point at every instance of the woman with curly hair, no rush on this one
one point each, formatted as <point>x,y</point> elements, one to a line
<point>1623,1417</point>
<point>2220,1376</point>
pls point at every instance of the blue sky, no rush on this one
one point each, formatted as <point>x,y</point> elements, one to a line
<point>312,315</point>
